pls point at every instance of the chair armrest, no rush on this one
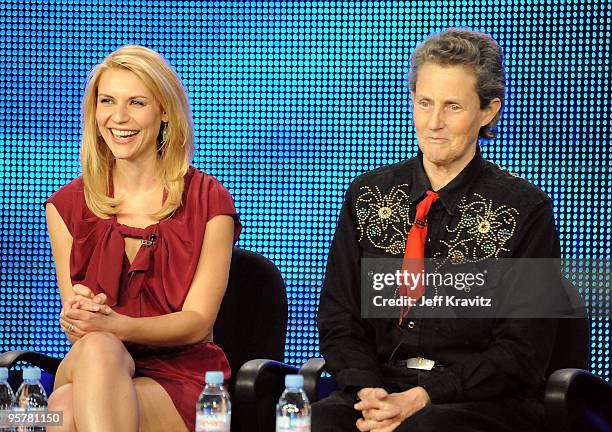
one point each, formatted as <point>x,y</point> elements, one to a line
<point>316,386</point>
<point>575,396</point>
<point>257,373</point>
<point>259,384</point>
<point>43,361</point>
<point>312,371</point>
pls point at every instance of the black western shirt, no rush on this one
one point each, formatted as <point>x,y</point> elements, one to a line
<point>483,358</point>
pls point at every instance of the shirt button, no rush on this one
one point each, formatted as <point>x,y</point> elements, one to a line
<point>411,324</point>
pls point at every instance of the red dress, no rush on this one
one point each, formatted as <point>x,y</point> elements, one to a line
<point>157,281</point>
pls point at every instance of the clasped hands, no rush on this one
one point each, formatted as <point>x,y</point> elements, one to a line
<point>384,412</point>
<point>85,313</point>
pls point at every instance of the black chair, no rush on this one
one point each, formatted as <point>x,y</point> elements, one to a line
<point>251,324</point>
<point>575,400</point>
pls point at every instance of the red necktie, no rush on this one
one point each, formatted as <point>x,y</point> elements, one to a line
<point>415,253</point>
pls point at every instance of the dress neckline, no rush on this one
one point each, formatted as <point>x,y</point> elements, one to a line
<point>124,228</point>
<point>138,231</point>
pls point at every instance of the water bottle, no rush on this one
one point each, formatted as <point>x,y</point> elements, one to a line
<point>7,399</point>
<point>31,397</point>
<point>214,409</point>
<point>293,409</point>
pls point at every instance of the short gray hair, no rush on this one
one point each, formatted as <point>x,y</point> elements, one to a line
<point>461,47</point>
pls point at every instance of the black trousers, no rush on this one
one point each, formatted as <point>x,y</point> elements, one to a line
<point>336,414</point>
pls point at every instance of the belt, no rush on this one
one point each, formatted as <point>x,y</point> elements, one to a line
<point>418,363</point>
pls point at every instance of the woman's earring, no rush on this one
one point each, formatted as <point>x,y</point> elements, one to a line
<point>164,133</point>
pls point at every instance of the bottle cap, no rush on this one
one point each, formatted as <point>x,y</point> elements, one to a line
<point>214,377</point>
<point>31,373</point>
<point>294,381</point>
<point>3,373</point>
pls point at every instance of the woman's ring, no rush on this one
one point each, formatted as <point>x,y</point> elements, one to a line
<point>70,328</point>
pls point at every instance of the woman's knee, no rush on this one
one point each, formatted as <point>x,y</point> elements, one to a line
<point>61,400</point>
<point>105,349</point>
<point>335,413</point>
<point>435,418</point>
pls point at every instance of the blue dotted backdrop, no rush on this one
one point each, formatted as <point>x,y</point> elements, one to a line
<point>291,101</point>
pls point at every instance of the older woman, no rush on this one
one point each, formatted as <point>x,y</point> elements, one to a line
<point>446,203</point>
<point>142,243</point>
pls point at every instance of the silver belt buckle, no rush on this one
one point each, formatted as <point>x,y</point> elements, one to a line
<point>420,363</point>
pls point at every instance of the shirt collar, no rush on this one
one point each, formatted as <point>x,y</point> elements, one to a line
<point>454,190</point>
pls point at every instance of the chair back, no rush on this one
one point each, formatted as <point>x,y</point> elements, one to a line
<point>252,319</point>
<point>572,343</point>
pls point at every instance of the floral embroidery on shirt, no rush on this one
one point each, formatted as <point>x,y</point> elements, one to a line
<point>383,219</point>
<point>482,230</point>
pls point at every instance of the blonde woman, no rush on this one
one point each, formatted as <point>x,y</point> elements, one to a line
<point>142,243</point>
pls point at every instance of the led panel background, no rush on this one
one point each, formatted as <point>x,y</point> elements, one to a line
<point>292,100</point>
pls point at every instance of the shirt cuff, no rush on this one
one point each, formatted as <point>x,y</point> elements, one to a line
<point>442,387</point>
<point>357,378</point>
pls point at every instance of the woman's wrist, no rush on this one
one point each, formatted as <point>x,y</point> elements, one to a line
<point>124,327</point>
<point>417,396</point>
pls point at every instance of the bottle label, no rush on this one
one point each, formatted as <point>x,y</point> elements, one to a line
<point>213,423</point>
<point>287,424</point>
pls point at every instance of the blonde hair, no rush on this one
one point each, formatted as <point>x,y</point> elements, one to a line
<point>174,154</point>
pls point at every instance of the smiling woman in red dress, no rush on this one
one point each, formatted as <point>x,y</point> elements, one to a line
<point>142,243</point>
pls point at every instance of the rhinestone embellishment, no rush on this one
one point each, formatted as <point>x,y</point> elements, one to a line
<point>384,212</point>
<point>382,218</point>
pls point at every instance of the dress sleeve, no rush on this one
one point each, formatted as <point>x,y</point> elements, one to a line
<point>220,202</point>
<point>66,200</point>
<point>346,340</point>
<point>516,360</point>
